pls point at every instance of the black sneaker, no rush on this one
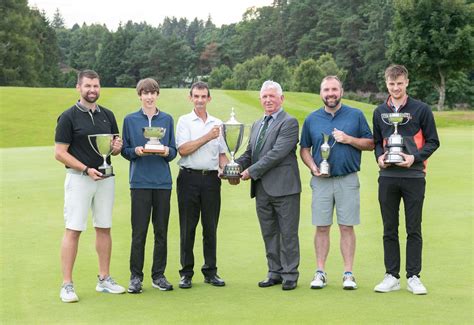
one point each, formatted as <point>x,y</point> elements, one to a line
<point>185,282</point>
<point>135,286</point>
<point>162,284</point>
<point>215,280</point>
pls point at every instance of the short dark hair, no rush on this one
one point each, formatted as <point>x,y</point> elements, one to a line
<point>200,85</point>
<point>396,70</point>
<point>91,74</point>
<point>149,85</point>
<point>331,77</point>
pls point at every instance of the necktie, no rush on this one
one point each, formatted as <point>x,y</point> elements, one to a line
<point>261,136</point>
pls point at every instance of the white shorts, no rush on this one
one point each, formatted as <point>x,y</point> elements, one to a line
<point>82,193</point>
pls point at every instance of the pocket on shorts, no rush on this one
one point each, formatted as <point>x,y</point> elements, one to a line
<point>352,181</point>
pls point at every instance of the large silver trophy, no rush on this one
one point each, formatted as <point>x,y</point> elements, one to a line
<point>233,132</point>
<point>324,167</point>
<point>395,143</point>
<point>154,134</point>
<point>102,145</point>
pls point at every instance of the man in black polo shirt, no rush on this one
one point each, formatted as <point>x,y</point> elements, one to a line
<point>85,187</point>
<point>404,180</point>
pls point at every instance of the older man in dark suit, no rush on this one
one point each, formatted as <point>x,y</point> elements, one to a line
<point>270,163</point>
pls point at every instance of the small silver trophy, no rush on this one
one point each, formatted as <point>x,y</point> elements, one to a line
<point>102,145</point>
<point>233,132</point>
<point>154,134</point>
<point>395,141</point>
<point>324,167</point>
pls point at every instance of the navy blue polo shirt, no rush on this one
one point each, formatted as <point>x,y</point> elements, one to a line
<point>343,159</point>
<point>148,172</point>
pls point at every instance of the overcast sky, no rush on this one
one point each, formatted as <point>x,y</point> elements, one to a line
<point>112,12</point>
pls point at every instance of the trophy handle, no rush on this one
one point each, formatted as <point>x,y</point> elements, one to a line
<point>406,117</point>
<point>89,137</point>
<point>238,141</point>
<point>385,116</point>
<point>103,155</point>
<point>326,138</point>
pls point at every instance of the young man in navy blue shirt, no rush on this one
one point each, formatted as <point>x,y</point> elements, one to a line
<point>350,135</point>
<point>150,185</point>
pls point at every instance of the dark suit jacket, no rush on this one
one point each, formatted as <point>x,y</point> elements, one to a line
<point>276,165</point>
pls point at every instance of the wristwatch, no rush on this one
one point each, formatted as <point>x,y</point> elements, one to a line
<point>85,171</point>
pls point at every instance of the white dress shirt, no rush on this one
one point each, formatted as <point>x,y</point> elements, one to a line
<point>190,127</point>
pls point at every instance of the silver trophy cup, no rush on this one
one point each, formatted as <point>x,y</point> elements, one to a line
<point>102,145</point>
<point>324,167</point>
<point>395,143</point>
<point>154,134</point>
<point>233,132</point>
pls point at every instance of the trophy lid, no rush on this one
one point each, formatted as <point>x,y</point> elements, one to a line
<point>232,119</point>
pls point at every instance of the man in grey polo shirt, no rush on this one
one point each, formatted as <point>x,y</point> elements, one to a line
<point>350,135</point>
<point>202,151</point>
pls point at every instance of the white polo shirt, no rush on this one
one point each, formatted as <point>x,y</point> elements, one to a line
<point>190,127</point>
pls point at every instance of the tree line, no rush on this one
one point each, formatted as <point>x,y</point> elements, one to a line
<point>293,42</point>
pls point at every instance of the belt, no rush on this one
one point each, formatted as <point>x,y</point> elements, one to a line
<point>199,171</point>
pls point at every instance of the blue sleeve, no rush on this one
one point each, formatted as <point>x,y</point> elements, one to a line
<point>128,152</point>
<point>364,127</point>
<point>172,141</point>
<point>305,141</point>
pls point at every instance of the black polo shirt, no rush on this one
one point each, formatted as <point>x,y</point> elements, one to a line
<point>74,126</point>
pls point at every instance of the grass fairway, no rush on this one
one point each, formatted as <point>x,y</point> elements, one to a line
<point>31,228</point>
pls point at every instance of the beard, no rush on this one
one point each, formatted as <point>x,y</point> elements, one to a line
<point>91,99</point>
<point>331,104</point>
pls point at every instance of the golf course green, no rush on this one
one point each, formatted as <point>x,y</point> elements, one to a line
<point>31,228</point>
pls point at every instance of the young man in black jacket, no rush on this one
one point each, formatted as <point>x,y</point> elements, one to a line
<point>403,180</point>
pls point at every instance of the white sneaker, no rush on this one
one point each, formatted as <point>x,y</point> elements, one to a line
<point>415,286</point>
<point>109,285</point>
<point>389,283</point>
<point>319,280</point>
<point>67,293</point>
<point>348,281</point>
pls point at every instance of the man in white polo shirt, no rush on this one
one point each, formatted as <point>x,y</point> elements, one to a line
<point>202,151</point>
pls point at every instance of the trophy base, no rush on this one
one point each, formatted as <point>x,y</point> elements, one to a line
<point>231,171</point>
<point>106,171</point>
<point>393,159</point>
<point>154,148</point>
<point>324,169</point>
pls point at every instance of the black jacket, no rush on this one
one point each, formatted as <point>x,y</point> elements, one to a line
<point>419,136</point>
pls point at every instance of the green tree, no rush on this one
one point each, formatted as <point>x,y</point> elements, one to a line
<point>252,69</point>
<point>373,43</point>
<point>307,77</point>
<point>433,39</point>
<point>279,70</point>
<point>58,20</point>
<point>28,47</point>
<point>302,17</point>
<point>85,46</point>
<point>47,56</point>
<point>218,75</point>
<point>309,74</point>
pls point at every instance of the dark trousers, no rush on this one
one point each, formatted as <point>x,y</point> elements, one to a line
<point>146,202</point>
<point>412,191</point>
<point>279,219</point>
<point>198,196</point>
